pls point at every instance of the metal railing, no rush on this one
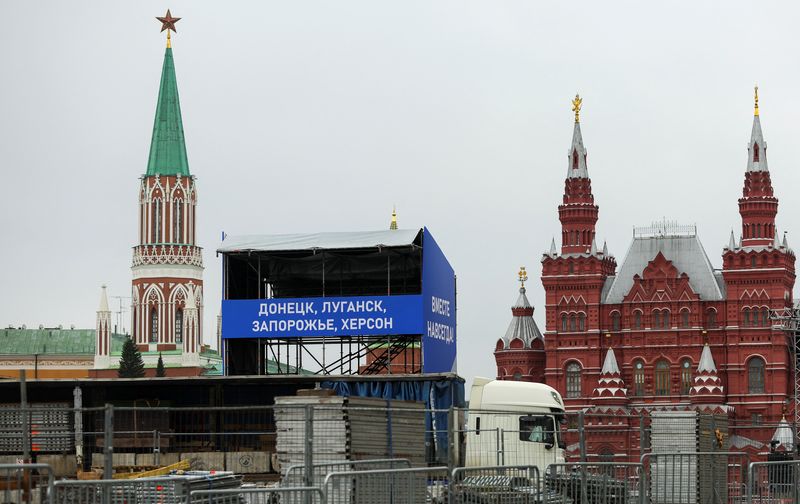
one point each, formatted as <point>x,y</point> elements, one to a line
<point>595,482</point>
<point>498,485</point>
<point>713,477</point>
<point>26,483</point>
<point>387,486</point>
<point>270,495</point>
<point>296,474</point>
<point>775,482</point>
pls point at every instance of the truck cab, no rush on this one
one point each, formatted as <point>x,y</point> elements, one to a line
<point>514,423</point>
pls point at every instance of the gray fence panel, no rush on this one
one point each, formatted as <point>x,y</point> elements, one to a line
<point>26,483</point>
<point>595,482</point>
<point>775,482</point>
<point>295,475</point>
<point>495,484</point>
<point>387,486</point>
<point>284,495</point>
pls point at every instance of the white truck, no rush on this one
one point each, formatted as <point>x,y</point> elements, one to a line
<point>514,423</point>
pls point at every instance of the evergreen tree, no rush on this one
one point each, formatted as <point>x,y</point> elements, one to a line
<point>160,371</point>
<point>131,364</point>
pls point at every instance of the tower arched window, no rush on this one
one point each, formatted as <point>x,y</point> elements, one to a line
<point>154,324</point>
<point>661,381</point>
<point>755,375</point>
<point>574,159</point>
<point>765,317</point>
<point>684,319</point>
<point>157,221</point>
<point>746,316</point>
<point>638,378</point>
<point>711,319</point>
<point>686,376</point>
<point>637,319</point>
<point>177,231</point>
<point>573,380</point>
<point>572,325</point>
<point>179,326</point>
<point>581,321</point>
<point>656,319</point>
<point>564,322</point>
<point>615,321</point>
<point>755,153</point>
<point>665,319</point>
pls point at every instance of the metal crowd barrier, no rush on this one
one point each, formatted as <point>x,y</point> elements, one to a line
<point>387,486</point>
<point>270,495</point>
<point>776,482</point>
<point>496,485</point>
<point>687,478</point>
<point>295,474</point>
<point>595,482</point>
<point>120,491</point>
<point>26,483</point>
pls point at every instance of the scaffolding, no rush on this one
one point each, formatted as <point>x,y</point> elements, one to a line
<point>789,321</point>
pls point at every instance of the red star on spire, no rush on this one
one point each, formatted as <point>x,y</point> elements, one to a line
<point>168,22</point>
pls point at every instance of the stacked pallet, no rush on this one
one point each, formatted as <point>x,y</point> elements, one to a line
<point>329,434</point>
<point>50,428</point>
<point>346,429</point>
<point>381,429</point>
<point>678,475</point>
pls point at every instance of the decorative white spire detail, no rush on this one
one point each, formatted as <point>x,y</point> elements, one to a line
<point>610,363</point>
<point>776,243</point>
<point>707,364</point>
<point>732,242</point>
<point>784,436</point>
<point>576,167</point>
<point>757,148</point>
<point>593,250</point>
<point>605,249</point>
<point>103,301</point>
<point>553,251</point>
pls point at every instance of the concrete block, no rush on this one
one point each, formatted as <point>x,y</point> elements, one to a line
<point>149,459</point>
<point>62,465</point>
<point>119,459</point>
<point>205,461</point>
<point>247,462</point>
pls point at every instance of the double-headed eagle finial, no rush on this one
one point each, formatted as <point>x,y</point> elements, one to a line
<point>756,100</point>
<point>576,107</point>
<point>523,276</point>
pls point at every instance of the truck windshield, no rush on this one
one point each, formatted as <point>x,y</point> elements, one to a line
<point>537,429</point>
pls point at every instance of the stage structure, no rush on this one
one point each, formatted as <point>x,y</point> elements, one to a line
<point>337,304</point>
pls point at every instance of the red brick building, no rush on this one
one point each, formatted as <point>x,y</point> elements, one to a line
<point>649,319</point>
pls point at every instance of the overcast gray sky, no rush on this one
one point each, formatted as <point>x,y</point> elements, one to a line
<point>305,116</point>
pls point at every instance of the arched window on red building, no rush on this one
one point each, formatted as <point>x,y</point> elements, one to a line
<point>686,376</point>
<point>637,319</point>
<point>638,378</point>
<point>755,375</point>
<point>615,321</point>
<point>661,376</point>
<point>573,380</point>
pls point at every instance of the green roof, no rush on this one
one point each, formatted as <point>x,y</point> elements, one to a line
<point>52,342</point>
<point>168,146</point>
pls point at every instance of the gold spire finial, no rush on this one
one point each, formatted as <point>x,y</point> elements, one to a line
<point>169,40</point>
<point>756,97</point>
<point>523,276</point>
<point>576,107</point>
<point>393,225</point>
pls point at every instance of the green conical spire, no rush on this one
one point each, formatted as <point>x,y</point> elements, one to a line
<point>168,147</point>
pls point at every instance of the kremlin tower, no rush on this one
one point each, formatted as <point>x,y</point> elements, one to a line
<point>167,268</point>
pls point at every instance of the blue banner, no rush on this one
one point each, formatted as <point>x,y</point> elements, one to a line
<point>328,316</point>
<point>438,309</point>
